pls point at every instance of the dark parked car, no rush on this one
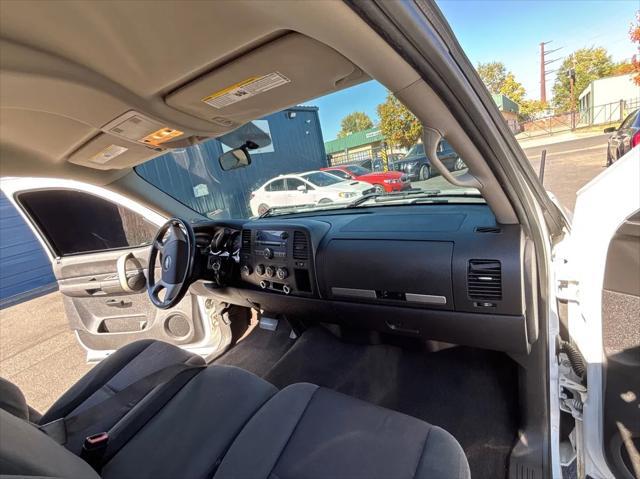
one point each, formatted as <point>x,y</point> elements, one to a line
<point>625,137</point>
<point>417,166</point>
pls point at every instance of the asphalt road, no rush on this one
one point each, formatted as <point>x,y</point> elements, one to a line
<point>40,354</point>
<point>38,351</point>
<point>569,166</point>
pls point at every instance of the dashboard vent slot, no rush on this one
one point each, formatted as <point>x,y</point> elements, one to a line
<point>488,229</point>
<point>245,246</point>
<point>484,280</point>
<point>300,245</point>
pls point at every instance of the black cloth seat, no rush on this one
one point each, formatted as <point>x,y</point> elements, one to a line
<point>227,423</point>
<point>123,368</point>
<point>306,431</point>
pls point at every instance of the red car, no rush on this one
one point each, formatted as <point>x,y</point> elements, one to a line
<point>384,181</point>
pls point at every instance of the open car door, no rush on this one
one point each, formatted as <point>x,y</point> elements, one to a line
<point>98,243</point>
<point>600,280</point>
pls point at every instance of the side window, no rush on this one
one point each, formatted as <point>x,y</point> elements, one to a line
<point>277,185</point>
<point>628,121</point>
<point>340,173</point>
<point>293,183</point>
<point>75,222</point>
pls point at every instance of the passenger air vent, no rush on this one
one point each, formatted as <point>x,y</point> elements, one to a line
<point>300,245</point>
<point>488,229</point>
<point>245,247</point>
<point>484,280</point>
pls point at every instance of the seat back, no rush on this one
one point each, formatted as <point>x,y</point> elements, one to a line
<point>27,451</point>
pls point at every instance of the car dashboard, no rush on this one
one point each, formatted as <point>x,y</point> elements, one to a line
<point>443,272</point>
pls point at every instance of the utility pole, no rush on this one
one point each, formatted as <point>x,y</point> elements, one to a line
<point>543,71</point>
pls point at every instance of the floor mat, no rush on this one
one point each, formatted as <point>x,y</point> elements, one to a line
<point>259,351</point>
<point>471,393</point>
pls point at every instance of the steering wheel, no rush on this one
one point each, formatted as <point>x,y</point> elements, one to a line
<point>175,243</point>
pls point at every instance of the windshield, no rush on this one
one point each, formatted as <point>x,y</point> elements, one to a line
<point>358,170</point>
<point>362,129</point>
<point>319,178</point>
<point>416,150</point>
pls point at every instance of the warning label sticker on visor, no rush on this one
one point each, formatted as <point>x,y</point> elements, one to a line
<point>245,89</point>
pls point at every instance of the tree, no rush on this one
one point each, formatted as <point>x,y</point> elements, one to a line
<point>634,34</point>
<point>512,89</point>
<point>493,75</point>
<point>499,81</point>
<point>623,68</point>
<point>399,126</point>
<point>353,123</point>
<point>588,64</point>
<point>530,108</point>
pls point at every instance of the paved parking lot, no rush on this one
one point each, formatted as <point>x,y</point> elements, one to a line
<point>569,166</point>
<point>41,355</point>
<point>38,352</point>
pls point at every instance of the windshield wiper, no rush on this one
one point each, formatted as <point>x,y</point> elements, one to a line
<point>380,197</point>
<point>273,209</point>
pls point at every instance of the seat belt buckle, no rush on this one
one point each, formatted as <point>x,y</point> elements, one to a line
<point>93,449</point>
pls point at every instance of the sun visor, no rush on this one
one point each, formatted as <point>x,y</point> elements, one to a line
<point>108,152</point>
<point>279,74</point>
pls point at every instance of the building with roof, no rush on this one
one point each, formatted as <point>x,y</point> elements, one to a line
<point>509,110</point>
<point>609,99</point>
<point>359,146</point>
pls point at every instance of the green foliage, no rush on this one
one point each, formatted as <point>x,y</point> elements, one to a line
<point>499,81</point>
<point>493,75</point>
<point>512,89</point>
<point>529,109</point>
<point>399,126</point>
<point>353,123</point>
<point>589,64</point>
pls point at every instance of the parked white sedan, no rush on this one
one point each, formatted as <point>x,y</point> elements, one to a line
<point>310,188</point>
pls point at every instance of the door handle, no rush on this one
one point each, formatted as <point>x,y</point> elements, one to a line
<point>121,268</point>
<point>118,303</point>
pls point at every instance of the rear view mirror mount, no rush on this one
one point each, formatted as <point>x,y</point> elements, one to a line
<point>237,157</point>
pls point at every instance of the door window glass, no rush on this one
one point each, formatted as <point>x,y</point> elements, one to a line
<point>75,222</point>
<point>628,121</point>
<point>294,183</point>
<point>277,185</point>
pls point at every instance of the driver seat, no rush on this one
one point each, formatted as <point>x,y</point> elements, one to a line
<point>138,372</point>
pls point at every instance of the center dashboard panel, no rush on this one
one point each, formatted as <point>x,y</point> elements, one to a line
<point>448,273</point>
<point>280,258</point>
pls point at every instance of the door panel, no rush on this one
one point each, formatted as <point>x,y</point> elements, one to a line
<point>621,341</point>
<point>105,315</point>
<point>98,245</point>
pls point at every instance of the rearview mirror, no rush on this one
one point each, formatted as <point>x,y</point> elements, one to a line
<point>234,159</point>
<point>611,129</point>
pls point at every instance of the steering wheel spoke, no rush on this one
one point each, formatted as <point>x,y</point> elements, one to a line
<point>159,245</point>
<point>175,247</point>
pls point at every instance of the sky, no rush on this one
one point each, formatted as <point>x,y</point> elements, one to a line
<point>509,31</point>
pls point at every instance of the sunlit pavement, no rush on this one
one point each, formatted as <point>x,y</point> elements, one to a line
<point>569,166</point>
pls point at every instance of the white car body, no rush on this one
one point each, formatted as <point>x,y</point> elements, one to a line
<point>305,189</point>
<point>580,260</point>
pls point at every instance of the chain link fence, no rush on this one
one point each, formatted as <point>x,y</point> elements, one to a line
<point>605,114</point>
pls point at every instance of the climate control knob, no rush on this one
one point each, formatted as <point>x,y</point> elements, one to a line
<point>260,270</point>
<point>271,271</point>
<point>268,253</point>
<point>282,273</point>
<point>245,270</point>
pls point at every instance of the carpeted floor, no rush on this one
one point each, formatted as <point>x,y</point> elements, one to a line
<point>469,392</point>
<point>260,350</point>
